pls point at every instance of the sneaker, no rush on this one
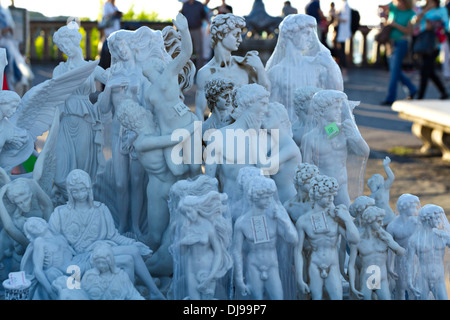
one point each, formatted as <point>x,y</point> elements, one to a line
<point>386,103</point>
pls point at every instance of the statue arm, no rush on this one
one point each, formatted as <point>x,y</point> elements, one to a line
<point>236,251</point>
<point>390,175</point>
<point>160,142</point>
<point>177,64</point>
<point>285,226</point>
<point>100,75</point>
<point>352,270</point>
<point>8,223</point>
<point>410,254</point>
<point>38,262</point>
<point>215,245</point>
<point>298,258</point>
<point>45,203</point>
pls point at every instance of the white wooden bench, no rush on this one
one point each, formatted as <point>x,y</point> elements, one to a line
<point>431,123</point>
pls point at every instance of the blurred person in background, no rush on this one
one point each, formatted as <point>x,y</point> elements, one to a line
<point>344,32</point>
<point>110,22</point>
<point>195,14</point>
<point>288,9</point>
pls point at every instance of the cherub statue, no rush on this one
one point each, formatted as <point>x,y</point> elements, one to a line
<point>287,152</point>
<point>331,150</point>
<point>300,59</point>
<point>218,93</point>
<point>84,222</point>
<point>163,94</point>
<point>428,243</point>
<point>401,229</point>
<point>149,147</point>
<point>372,251</point>
<point>321,228</point>
<point>255,237</point>
<point>204,239</point>
<point>301,104</point>
<point>301,203</point>
<point>380,189</point>
<point>105,281</point>
<point>226,36</point>
<point>79,144</point>
<point>46,258</point>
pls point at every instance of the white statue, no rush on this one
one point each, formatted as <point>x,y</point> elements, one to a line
<point>252,101</point>
<point>84,222</point>
<point>321,229</point>
<point>300,59</point>
<point>380,189</point>
<point>24,119</point>
<point>105,281</point>
<point>372,251</point>
<point>301,203</point>
<point>226,36</point>
<point>330,144</point>
<point>125,176</point>
<point>47,257</point>
<point>218,94</point>
<point>401,229</point>
<point>79,144</point>
<point>254,248</point>
<point>149,147</point>
<point>204,239</point>
<point>289,156</point>
<point>428,243</point>
<point>302,107</point>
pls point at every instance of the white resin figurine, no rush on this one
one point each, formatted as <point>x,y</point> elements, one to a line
<point>401,229</point>
<point>226,36</point>
<point>252,104</point>
<point>372,251</point>
<point>149,147</point>
<point>380,189</point>
<point>287,151</point>
<point>254,249</point>
<point>428,243</point>
<point>79,144</point>
<point>321,229</point>
<point>105,281</point>
<point>301,104</point>
<point>46,258</point>
<point>300,59</point>
<point>218,94</point>
<point>84,222</point>
<point>334,141</point>
<point>301,203</point>
<point>163,95</point>
<point>204,239</point>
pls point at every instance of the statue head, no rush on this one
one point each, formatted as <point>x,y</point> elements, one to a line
<point>303,175</point>
<point>119,46</point>
<point>375,182</point>
<point>408,204</point>
<point>277,117</point>
<point>261,191</point>
<point>19,193</point>
<point>359,205</point>
<point>302,100</point>
<point>9,102</point>
<point>300,30</point>
<point>251,97</point>
<point>102,258</point>
<point>132,115</point>
<point>68,38</point>
<point>431,215</point>
<point>224,24</point>
<point>79,187</point>
<point>372,217</point>
<point>327,105</point>
<point>218,93</point>
<point>34,227</point>
<point>322,190</point>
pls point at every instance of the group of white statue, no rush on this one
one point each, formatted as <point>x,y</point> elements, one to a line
<point>262,200</point>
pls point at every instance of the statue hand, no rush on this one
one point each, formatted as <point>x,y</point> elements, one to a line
<point>253,60</point>
<point>180,22</point>
<point>245,290</point>
<point>143,249</point>
<point>386,161</point>
<point>304,288</point>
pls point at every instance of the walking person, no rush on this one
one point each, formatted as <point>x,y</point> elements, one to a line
<point>344,33</point>
<point>400,18</point>
<point>195,14</point>
<point>433,17</point>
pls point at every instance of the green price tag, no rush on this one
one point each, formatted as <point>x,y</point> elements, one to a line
<point>332,130</point>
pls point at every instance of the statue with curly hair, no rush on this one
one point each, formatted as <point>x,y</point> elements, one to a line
<point>321,228</point>
<point>226,36</point>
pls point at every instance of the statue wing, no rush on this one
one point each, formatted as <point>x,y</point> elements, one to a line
<point>45,166</point>
<point>38,105</point>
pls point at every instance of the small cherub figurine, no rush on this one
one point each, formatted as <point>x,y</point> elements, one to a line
<point>301,203</point>
<point>428,243</point>
<point>372,251</point>
<point>401,229</point>
<point>105,281</point>
<point>321,228</point>
<point>258,231</point>
<point>380,189</point>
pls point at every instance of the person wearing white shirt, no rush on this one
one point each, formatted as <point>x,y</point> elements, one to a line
<point>343,34</point>
<point>112,13</point>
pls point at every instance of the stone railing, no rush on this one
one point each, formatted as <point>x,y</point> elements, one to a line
<point>46,28</point>
<point>48,51</point>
